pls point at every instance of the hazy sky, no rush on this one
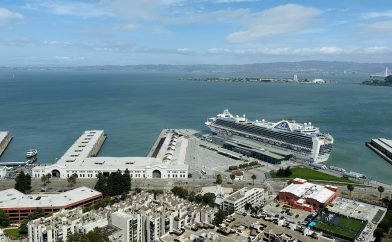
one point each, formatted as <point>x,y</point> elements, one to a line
<point>72,32</point>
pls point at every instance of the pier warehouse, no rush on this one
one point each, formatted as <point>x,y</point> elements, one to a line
<point>18,205</point>
<point>80,159</point>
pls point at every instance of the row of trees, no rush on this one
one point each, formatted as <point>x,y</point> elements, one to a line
<point>206,199</point>
<point>219,178</point>
<point>114,184</point>
<point>244,165</point>
<point>23,181</point>
<point>95,235</point>
<point>380,189</point>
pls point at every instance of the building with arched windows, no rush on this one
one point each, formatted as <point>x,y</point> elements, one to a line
<point>80,159</point>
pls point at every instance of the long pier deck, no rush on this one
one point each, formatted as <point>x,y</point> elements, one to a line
<point>5,139</point>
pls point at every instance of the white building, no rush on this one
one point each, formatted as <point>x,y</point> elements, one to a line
<point>237,200</point>
<point>79,159</point>
<point>3,172</point>
<point>142,218</point>
<point>2,236</point>
<point>61,224</point>
<point>219,191</point>
<point>131,224</point>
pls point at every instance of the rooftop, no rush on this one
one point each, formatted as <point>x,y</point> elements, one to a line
<point>81,148</point>
<point>385,143</point>
<point>3,134</point>
<point>122,163</point>
<point>241,193</point>
<point>303,189</point>
<point>12,198</point>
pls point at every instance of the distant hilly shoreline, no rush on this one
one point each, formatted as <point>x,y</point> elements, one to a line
<point>327,67</point>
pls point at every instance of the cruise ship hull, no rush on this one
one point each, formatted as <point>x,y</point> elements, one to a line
<point>311,154</point>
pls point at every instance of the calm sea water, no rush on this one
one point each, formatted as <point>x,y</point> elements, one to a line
<point>49,110</point>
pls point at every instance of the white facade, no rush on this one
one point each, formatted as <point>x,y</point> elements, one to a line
<point>61,224</point>
<point>3,172</point>
<point>130,224</point>
<point>2,236</point>
<point>238,199</point>
<point>142,218</point>
<point>79,159</point>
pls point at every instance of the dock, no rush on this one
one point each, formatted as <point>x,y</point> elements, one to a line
<point>18,163</point>
<point>158,143</point>
<point>382,147</point>
<point>5,139</point>
<point>87,145</point>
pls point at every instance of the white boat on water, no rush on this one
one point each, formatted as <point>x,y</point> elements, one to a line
<point>31,153</point>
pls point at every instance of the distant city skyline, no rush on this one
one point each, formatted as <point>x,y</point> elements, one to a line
<point>129,32</point>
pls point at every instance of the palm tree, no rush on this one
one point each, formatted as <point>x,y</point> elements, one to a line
<point>380,190</point>
<point>350,188</point>
<point>254,178</point>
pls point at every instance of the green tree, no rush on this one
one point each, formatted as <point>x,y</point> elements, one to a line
<point>209,198</point>
<point>97,236</point>
<point>102,185</point>
<point>72,180</point>
<point>115,184</point>
<point>232,177</point>
<point>38,213</point>
<point>380,190</point>
<point>23,182</point>
<point>219,179</point>
<point>248,206</point>
<point>93,236</point>
<point>350,188</point>
<point>4,219</point>
<point>127,180</point>
<point>219,217</point>
<point>199,198</point>
<point>180,192</point>
<point>45,179</point>
<point>254,178</point>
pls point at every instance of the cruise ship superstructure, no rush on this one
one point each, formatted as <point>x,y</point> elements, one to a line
<point>304,141</point>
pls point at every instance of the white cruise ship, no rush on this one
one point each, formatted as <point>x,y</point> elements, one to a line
<point>304,141</point>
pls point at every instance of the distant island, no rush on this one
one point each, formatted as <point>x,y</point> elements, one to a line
<point>258,80</point>
<point>387,81</point>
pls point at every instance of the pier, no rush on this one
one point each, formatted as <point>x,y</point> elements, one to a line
<point>382,147</point>
<point>5,139</point>
<point>18,163</point>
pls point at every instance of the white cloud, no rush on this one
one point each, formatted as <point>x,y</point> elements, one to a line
<point>310,52</point>
<point>234,1</point>
<point>130,27</point>
<point>376,50</point>
<point>70,8</point>
<point>139,9</point>
<point>218,16</point>
<point>7,15</point>
<point>382,14</point>
<point>382,26</point>
<point>275,21</point>
<point>62,58</point>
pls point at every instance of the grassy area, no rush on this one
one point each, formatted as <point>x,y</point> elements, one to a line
<point>346,227</point>
<point>13,234</point>
<point>311,174</point>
